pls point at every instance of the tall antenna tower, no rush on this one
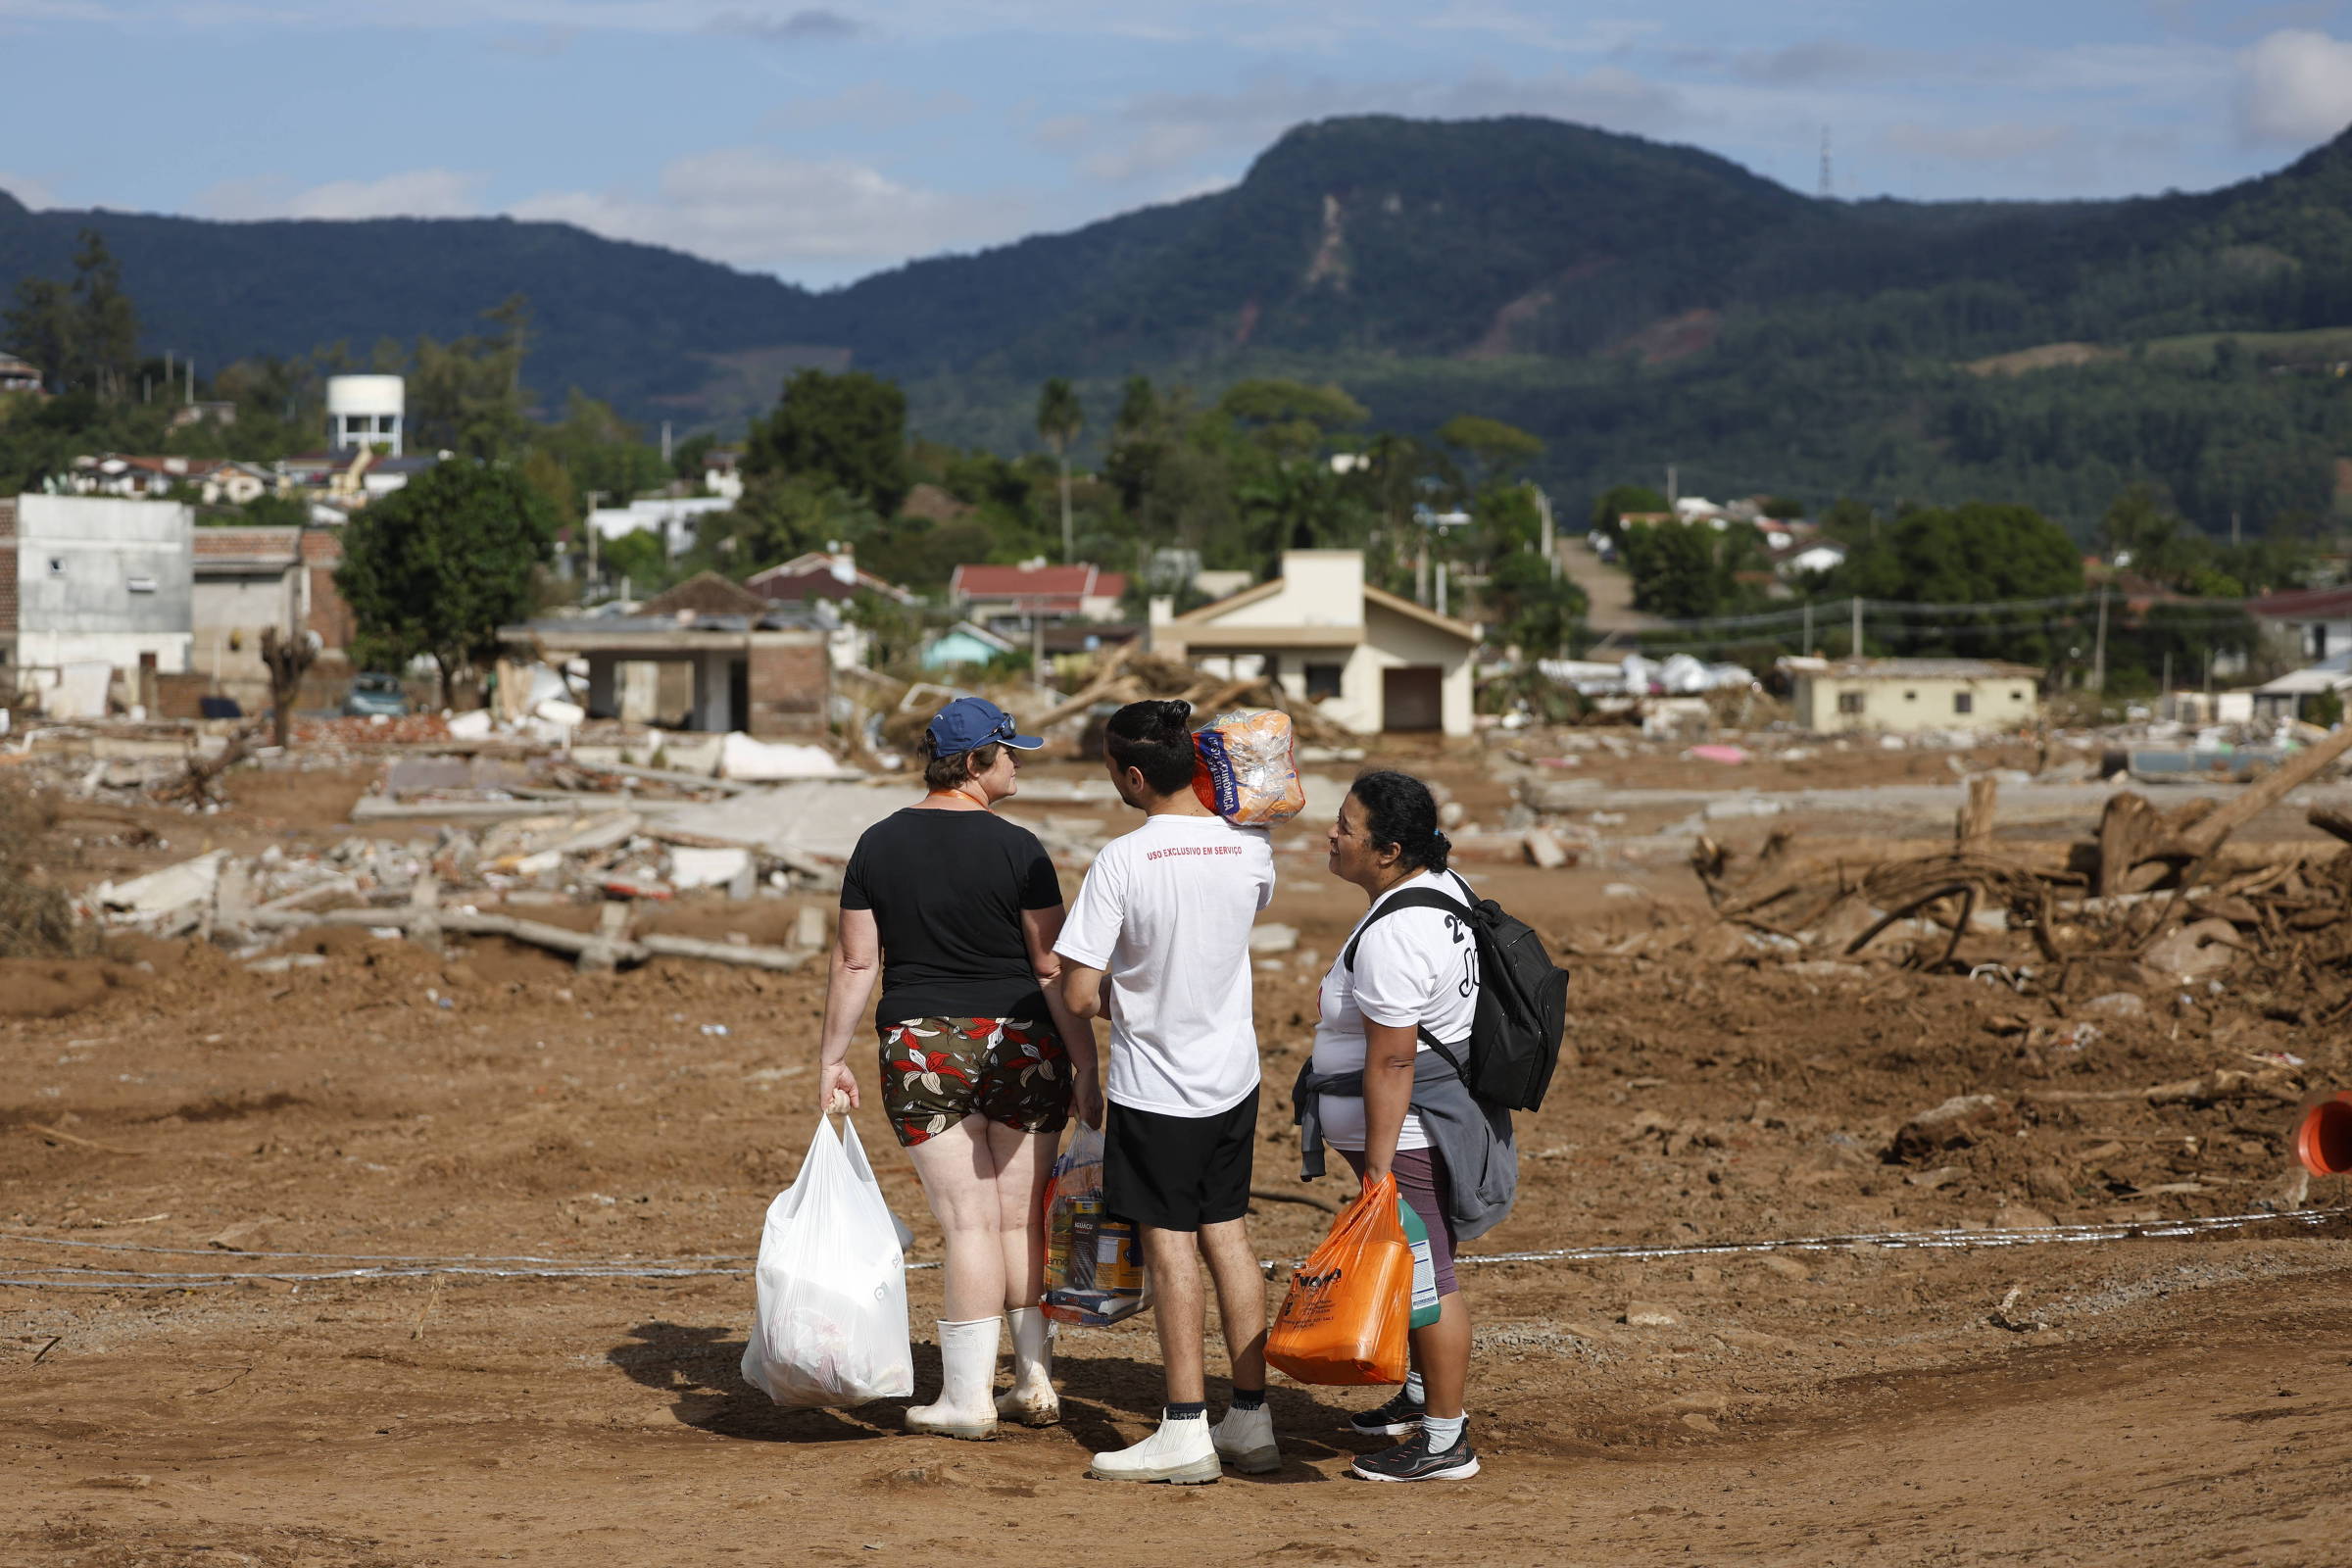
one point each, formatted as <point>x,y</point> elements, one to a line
<point>1829,186</point>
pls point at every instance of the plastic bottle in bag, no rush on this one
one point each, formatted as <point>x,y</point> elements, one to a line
<point>1094,1262</point>
<point>1426,1307</point>
<point>831,1324</point>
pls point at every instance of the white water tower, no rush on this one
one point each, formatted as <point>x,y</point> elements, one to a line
<point>366,410</point>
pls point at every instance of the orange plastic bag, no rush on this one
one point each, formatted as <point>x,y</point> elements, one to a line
<point>1346,1316</point>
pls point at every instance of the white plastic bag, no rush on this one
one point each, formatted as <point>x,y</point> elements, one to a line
<point>831,1326</point>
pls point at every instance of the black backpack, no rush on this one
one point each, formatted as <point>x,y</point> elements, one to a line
<point>1522,999</point>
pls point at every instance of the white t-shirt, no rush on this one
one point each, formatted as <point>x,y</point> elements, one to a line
<point>1414,967</point>
<point>1165,912</point>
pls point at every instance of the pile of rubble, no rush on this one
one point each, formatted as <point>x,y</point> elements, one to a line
<point>2150,899</point>
<point>1132,675</point>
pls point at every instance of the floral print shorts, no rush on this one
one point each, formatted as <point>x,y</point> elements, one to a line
<point>937,1071</point>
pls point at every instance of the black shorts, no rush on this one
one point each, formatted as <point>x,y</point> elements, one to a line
<point>1178,1173</point>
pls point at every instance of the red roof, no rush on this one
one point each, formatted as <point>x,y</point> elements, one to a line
<point>1044,585</point>
<point>273,546</point>
<point>2306,603</point>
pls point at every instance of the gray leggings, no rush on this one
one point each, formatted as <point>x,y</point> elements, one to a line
<point>1421,1182</point>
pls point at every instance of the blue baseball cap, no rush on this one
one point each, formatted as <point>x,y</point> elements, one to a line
<point>970,722</point>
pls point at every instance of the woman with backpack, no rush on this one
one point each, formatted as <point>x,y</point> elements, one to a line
<point>1386,1088</point>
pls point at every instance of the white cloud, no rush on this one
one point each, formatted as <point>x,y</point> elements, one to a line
<point>2295,86</point>
<point>755,207</point>
<point>32,192</point>
<point>414,193</point>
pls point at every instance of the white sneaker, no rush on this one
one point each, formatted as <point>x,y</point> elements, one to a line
<point>1244,1440</point>
<point>1180,1452</point>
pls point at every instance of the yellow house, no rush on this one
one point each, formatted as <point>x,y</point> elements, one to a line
<point>1899,695</point>
<point>1369,659</point>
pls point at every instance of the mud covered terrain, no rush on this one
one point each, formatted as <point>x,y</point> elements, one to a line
<point>2151,1398</point>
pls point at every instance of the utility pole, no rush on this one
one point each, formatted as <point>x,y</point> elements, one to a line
<point>2233,540</point>
<point>2099,648</point>
<point>2164,709</point>
<point>1551,537</point>
<point>1673,489</point>
<point>1856,604</point>
<point>1440,588</point>
<point>666,444</point>
<point>588,521</point>
<point>1037,645</point>
<point>1806,647</point>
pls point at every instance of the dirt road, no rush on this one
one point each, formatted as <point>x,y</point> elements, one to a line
<point>2182,1399</point>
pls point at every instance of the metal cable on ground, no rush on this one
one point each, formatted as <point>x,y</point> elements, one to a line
<point>586,1268</point>
<point>370,1258</point>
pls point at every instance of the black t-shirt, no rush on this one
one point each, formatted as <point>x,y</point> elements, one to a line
<point>947,889</point>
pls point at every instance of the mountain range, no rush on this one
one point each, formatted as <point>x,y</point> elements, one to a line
<point>1634,303</point>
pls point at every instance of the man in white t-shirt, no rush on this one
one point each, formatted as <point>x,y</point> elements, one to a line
<point>1165,914</point>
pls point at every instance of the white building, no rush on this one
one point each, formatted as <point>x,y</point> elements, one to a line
<point>2314,622</point>
<point>1369,659</point>
<point>366,410</point>
<point>1904,695</point>
<point>673,517</point>
<point>88,581</point>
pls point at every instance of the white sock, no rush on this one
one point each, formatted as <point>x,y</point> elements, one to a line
<point>1444,1431</point>
<point>1412,1388</point>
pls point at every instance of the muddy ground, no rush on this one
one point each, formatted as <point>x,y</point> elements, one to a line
<point>2166,1399</point>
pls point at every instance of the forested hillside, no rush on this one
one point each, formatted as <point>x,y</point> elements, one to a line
<point>1631,303</point>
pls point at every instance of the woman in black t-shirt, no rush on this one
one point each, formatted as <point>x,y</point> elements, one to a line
<point>955,910</point>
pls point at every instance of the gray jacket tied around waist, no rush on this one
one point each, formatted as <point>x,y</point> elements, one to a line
<point>1482,1162</point>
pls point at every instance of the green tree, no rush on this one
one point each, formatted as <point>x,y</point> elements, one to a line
<point>1290,419</point>
<point>1532,608</point>
<point>82,335</point>
<point>1499,449</point>
<point>466,396</point>
<point>846,430</point>
<point>1684,572</point>
<point>640,559</point>
<point>1060,419</point>
<point>106,337</point>
<point>41,327</point>
<point>686,458</point>
<point>437,567</point>
<point>602,452</point>
<point>1976,553</point>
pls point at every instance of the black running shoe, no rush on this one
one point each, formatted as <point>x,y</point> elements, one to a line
<point>1412,1460</point>
<point>1400,1415</point>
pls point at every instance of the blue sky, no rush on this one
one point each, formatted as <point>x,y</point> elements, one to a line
<point>824,140</point>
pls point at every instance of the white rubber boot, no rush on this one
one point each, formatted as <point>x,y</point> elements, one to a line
<point>1179,1452</point>
<point>967,1357</point>
<point>1244,1440</point>
<point>1031,1401</point>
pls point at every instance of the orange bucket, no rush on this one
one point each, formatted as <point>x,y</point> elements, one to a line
<point>2324,1143</point>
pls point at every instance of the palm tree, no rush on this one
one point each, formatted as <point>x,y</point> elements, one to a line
<point>1060,419</point>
